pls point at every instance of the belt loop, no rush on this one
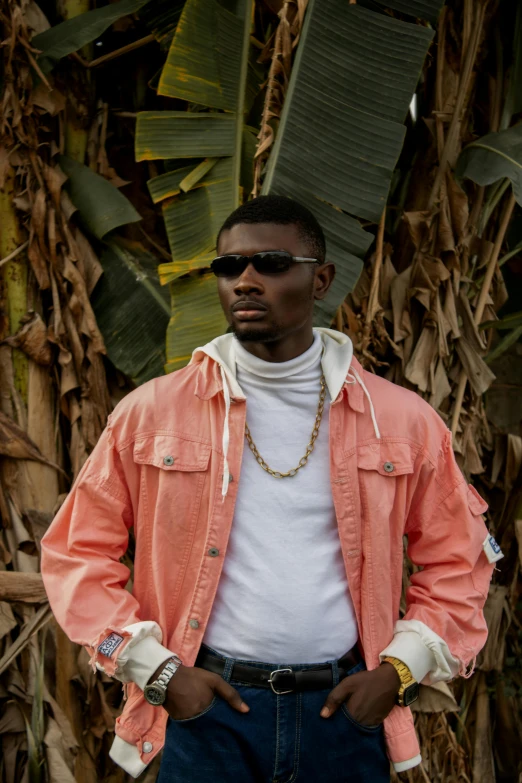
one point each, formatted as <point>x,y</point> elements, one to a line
<point>335,673</point>
<point>227,671</point>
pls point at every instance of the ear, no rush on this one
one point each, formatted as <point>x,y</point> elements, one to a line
<point>324,276</point>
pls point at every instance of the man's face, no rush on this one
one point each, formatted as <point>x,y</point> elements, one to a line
<point>285,300</point>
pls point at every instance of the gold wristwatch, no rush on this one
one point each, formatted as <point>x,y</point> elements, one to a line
<point>409,690</point>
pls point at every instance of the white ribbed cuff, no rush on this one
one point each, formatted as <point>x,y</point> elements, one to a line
<point>143,659</point>
<point>402,766</point>
<point>127,757</point>
<point>409,648</point>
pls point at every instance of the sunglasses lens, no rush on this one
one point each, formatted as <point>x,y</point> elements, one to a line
<point>269,263</point>
<point>229,266</point>
<point>272,263</point>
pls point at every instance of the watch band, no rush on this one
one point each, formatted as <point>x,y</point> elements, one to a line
<point>168,672</point>
<point>406,677</point>
<point>155,693</point>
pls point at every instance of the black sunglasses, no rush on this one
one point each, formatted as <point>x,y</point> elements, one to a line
<point>270,262</point>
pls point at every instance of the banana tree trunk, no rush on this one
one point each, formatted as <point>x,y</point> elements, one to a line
<point>14,280</point>
<point>77,112</point>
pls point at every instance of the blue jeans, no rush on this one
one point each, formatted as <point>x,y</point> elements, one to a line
<point>282,739</point>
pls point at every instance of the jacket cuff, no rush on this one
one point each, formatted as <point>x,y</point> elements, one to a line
<point>424,652</point>
<point>127,757</point>
<point>402,766</point>
<point>409,648</point>
<point>143,659</point>
<point>137,652</point>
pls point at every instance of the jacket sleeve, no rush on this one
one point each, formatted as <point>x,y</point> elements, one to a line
<point>85,579</point>
<point>444,628</point>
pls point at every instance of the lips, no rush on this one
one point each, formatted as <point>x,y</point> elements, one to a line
<point>246,305</point>
<point>248,311</point>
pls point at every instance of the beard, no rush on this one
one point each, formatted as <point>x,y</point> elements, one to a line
<point>253,334</point>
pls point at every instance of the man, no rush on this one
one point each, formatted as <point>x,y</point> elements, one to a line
<point>270,484</point>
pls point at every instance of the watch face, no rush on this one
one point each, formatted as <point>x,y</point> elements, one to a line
<point>154,695</point>
<point>411,694</point>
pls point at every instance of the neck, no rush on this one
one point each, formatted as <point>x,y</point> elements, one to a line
<point>282,350</point>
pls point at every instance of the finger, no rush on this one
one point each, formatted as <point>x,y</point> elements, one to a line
<point>336,697</point>
<point>229,694</point>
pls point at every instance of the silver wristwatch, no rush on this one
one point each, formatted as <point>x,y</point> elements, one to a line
<point>156,692</point>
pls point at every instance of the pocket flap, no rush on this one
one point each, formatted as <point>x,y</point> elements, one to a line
<point>388,459</point>
<point>477,505</point>
<point>171,452</point>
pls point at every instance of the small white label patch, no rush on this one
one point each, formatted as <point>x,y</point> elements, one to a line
<point>492,550</point>
<point>111,643</point>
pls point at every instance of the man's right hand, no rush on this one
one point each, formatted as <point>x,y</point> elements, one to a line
<point>191,690</point>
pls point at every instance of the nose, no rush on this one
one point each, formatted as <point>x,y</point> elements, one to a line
<point>248,282</point>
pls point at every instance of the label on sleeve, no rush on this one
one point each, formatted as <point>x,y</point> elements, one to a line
<point>111,643</point>
<point>492,550</point>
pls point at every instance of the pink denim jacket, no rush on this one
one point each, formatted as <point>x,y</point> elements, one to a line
<point>168,465</point>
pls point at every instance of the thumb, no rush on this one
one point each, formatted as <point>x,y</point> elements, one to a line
<point>229,694</point>
<point>337,696</point>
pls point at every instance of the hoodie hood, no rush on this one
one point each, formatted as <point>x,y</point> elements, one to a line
<point>336,362</point>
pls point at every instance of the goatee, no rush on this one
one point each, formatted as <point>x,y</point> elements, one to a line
<point>251,334</point>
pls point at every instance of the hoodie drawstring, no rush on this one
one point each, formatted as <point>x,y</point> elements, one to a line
<point>226,435</point>
<point>367,393</point>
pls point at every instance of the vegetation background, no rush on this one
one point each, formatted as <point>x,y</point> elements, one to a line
<point>129,130</point>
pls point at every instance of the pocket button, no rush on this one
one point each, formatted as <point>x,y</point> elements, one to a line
<point>389,467</point>
<point>168,460</point>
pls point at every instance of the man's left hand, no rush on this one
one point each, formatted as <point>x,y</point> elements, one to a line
<point>369,696</point>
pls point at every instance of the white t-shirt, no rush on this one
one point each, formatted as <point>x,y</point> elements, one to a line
<point>283,595</point>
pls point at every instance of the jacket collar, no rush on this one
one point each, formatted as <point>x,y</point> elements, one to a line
<point>336,360</point>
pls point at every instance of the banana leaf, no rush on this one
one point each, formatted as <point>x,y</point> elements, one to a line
<point>420,9</point>
<point>73,34</point>
<point>493,157</point>
<point>161,17</point>
<point>511,321</point>
<point>207,66</point>
<point>132,310</point>
<point>507,341</point>
<point>101,206</point>
<point>196,319</point>
<point>341,129</point>
<point>339,138</point>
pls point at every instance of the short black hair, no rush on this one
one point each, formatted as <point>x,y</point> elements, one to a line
<point>283,211</point>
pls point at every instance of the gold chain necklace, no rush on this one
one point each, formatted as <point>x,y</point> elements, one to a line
<point>309,448</point>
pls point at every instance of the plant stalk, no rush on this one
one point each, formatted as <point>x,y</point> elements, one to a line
<point>14,280</point>
<point>479,310</point>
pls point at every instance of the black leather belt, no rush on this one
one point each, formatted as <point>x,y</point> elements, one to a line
<point>283,680</point>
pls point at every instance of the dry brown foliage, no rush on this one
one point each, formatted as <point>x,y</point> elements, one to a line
<point>414,317</point>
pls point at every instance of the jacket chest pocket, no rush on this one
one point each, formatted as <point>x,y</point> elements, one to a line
<point>383,493</point>
<point>173,474</point>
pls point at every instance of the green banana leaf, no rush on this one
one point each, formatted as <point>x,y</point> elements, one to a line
<point>493,157</point>
<point>420,9</point>
<point>73,34</point>
<point>196,319</point>
<point>161,17</point>
<point>341,129</point>
<point>101,206</point>
<point>506,342</point>
<point>339,137</point>
<point>132,310</point>
<point>511,321</point>
<point>182,134</point>
<point>207,66</point>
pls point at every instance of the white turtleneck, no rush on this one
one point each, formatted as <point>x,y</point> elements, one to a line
<point>283,595</point>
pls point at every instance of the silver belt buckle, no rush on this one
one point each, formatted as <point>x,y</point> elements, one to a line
<point>271,681</point>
